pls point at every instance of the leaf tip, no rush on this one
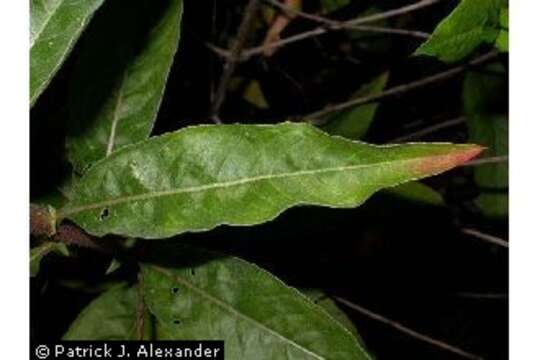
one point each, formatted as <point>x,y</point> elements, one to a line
<point>459,155</point>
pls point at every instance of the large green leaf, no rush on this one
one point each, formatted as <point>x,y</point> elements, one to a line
<point>120,78</point>
<point>257,315</point>
<point>112,316</point>
<point>55,26</point>
<point>472,23</point>
<point>485,98</point>
<point>354,123</point>
<point>200,177</point>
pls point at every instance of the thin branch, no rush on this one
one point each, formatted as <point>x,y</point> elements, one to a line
<point>486,237</point>
<point>233,59</point>
<point>400,89</point>
<point>394,12</point>
<point>407,330</point>
<point>141,307</point>
<point>331,24</point>
<point>346,24</point>
<point>488,160</point>
<point>429,130</point>
<point>478,296</point>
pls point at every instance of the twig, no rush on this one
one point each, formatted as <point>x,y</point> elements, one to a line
<point>354,22</point>
<point>394,12</point>
<point>486,237</point>
<point>430,129</point>
<point>407,330</point>
<point>487,160</point>
<point>331,24</point>
<point>233,59</point>
<point>400,89</point>
<point>469,295</point>
<point>140,308</point>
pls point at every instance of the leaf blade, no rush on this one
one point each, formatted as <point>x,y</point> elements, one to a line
<point>121,77</point>
<point>200,177</point>
<point>55,26</point>
<point>276,323</point>
<point>470,24</point>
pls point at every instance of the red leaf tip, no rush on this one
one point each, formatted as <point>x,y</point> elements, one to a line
<point>439,163</point>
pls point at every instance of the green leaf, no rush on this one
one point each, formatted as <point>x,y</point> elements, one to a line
<point>485,96</point>
<point>354,123</point>
<point>257,315</point>
<point>55,26</point>
<point>492,179</point>
<point>200,177</point>
<point>254,95</point>
<point>120,78</point>
<point>111,316</point>
<point>416,192</point>
<point>472,23</point>
<point>39,252</point>
<point>502,40</point>
<point>503,18</point>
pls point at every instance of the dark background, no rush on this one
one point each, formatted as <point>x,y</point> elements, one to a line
<point>406,261</point>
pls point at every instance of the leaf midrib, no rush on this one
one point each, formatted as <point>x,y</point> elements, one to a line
<point>50,14</point>
<point>238,182</point>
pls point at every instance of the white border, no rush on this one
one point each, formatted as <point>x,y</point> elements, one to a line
<point>14,150</point>
<point>524,180</point>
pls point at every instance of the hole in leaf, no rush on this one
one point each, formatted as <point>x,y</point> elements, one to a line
<point>104,214</point>
<point>176,322</point>
<point>175,290</point>
<point>193,272</point>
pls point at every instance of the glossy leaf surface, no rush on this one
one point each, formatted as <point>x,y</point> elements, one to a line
<point>257,315</point>
<point>472,23</point>
<point>55,26</point>
<point>200,177</point>
<point>120,77</point>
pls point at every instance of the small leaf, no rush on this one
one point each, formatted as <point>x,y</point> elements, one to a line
<point>257,315</point>
<point>354,123</point>
<point>120,78</point>
<point>200,177</point>
<point>55,26</point>
<point>254,95</point>
<point>111,316</point>
<point>39,252</point>
<point>502,41</point>
<point>113,266</point>
<point>472,23</point>
<point>485,96</point>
